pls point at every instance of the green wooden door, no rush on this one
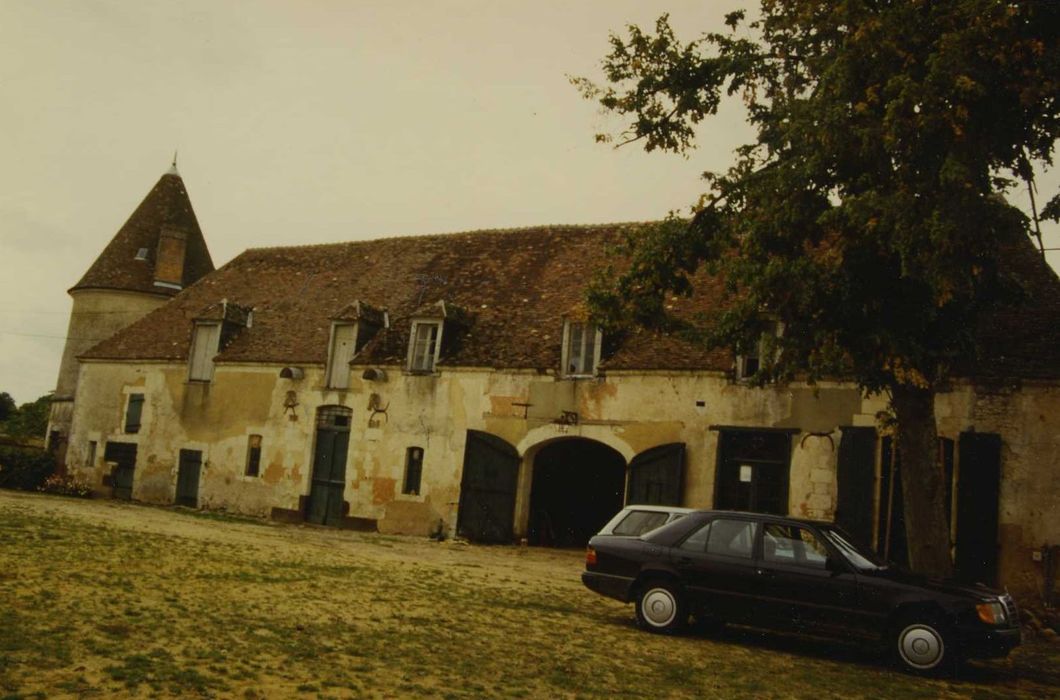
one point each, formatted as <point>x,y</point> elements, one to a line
<point>329,466</point>
<point>189,470</point>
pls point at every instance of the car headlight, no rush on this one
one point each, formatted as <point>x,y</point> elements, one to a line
<point>991,613</point>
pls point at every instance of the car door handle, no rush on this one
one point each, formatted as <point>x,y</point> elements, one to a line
<point>764,572</point>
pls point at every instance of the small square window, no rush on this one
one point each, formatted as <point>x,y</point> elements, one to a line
<point>413,470</point>
<point>133,411</point>
<point>253,456</point>
<point>423,345</point>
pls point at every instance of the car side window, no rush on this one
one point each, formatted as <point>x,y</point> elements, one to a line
<point>639,521</point>
<point>731,538</point>
<point>797,546</point>
<point>697,541</point>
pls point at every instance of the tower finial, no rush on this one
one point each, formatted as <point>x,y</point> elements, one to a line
<point>173,168</point>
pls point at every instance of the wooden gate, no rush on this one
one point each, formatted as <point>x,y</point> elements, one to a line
<point>487,489</point>
<point>657,476</point>
<point>189,468</point>
<point>329,466</point>
<point>123,454</point>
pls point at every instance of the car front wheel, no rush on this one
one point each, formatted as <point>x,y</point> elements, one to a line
<point>923,647</point>
<point>661,607</point>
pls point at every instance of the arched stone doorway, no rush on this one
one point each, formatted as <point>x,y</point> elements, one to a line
<point>578,484</point>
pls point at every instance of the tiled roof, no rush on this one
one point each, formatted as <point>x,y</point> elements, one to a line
<point>1024,341</point>
<point>513,289</point>
<point>166,206</point>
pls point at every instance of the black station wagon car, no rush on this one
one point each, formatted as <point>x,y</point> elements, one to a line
<point>798,575</point>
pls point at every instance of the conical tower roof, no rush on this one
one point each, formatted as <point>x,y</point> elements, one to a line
<point>130,259</point>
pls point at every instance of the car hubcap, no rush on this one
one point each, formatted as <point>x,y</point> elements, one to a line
<point>659,607</point>
<point>920,646</point>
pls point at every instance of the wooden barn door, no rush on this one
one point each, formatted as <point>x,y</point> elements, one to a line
<point>487,489</point>
<point>657,476</point>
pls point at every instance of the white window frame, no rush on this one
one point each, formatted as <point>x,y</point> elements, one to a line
<point>422,358</point>
<point>589,340</point>
<point>202,352</point>
<point>339,357</point>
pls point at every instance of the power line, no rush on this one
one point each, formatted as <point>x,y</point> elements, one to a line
<point>41,335</point>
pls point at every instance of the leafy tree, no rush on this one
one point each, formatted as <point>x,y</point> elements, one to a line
<point>30,420</point>
<point>7,406</point>
<point>867,216</point>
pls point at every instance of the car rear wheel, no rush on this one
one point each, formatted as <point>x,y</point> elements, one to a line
<point>922,646</point>
<point>661,607</point>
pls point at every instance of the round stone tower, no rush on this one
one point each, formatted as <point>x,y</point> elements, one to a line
<point>155,254</point>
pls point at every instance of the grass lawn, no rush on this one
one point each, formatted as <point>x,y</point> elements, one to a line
<point>105,599</point>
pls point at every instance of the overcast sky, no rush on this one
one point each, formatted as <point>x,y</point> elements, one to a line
<point>309,122</point>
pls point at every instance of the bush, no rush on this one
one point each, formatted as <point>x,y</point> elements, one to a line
<point>66,485</point>
<point>24,468</point>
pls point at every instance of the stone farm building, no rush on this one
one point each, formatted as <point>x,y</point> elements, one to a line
<point>453,384</point>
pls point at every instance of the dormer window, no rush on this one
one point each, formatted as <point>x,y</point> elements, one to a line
<point>750,363</point>
<point>205,340</point>
<point>581,349</point>
<point>424,345</point>
<point>343,347</point>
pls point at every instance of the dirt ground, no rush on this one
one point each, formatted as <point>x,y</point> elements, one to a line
<point>109,599</point>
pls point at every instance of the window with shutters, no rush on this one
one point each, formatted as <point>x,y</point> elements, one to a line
<point>133,411</point>
<point>204,345</point>
<point>581,349</point>
<point>424,345</point>
<point>343,347</point>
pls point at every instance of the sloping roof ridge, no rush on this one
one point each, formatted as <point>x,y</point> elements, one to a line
<point>435,236</point>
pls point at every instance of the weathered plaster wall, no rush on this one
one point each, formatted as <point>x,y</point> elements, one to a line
<point>629,412</point>
<point>96,314</point>
<point>1028,419</point>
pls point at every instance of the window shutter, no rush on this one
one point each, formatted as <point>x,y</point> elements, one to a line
<point>343,346</point>
<point>203,349</point>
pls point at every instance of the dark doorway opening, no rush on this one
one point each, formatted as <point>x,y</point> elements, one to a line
<point>978,495</point>
<point>487,489</point>
<point>123,455</point>
<point>578,485</point>
<point>753,471</point>
<point>329,466</point>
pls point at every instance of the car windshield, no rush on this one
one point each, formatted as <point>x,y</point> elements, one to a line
<point>862,558</point>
